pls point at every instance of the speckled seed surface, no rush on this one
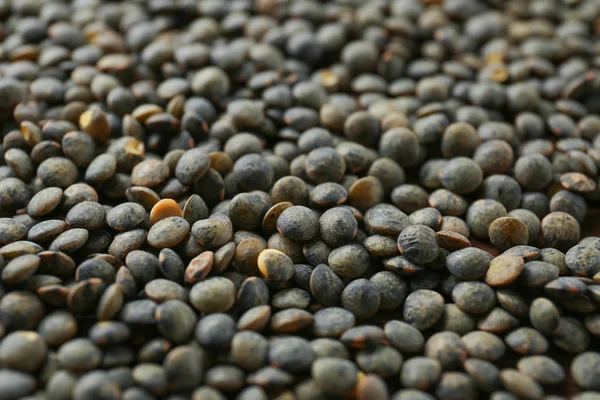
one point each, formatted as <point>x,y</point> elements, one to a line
<point>299,200</point>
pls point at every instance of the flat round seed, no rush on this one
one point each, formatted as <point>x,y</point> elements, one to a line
<point>533,171</point>
<point>456,384</point>
<point>527,253</point>
<point>485,374</point>
<point>469,263</point>
<point>420,373</point>
<point>327,347</point>
<point>77,193</point>
<point>255,318</point>
<point>409,198</point>
<point>57,327</point>
<point>484,345</point>
<point>328,194</point>
<point>291,298</point>
<point>332,322</point>
<point>543,369</point>
<point>17,384</point>
<point>298,223</point>
<point>362,298</point>
<point>571,336</point>
<point>565,288</point>
<point>384,361</point>
<point>11,231</point>
<point>101,168</point>
<point>269,222</point>
<point>215,331</point>
<point>380,246</point>
<point>125,216</point>
<point>142,265</point>
<point>192,165</point>
<point>538,273</point>
<point>57,171</point>
<point>544,315</point>
<point>584,369</point>
<point>126,242</point>
<point>163,209</point>
<point>194,209</point>
<point>88,214</point>
<point>363,337</point>
<point>19,248</point>
<point>461,175</point>
<point>392,289</point>
<point>385,219</point>
<point>139,312</point>
<point>503,270</point>
<point>338,226</point>
<point>110,302</point>
<point>448,203</point>
<point>527,341</point>
<point>70,241</point>
<point>349,261</point>
<point>291,189</point>
<point>249,350</point>
<point>245,255</point>
<point>109,333</point>
<point>291,320</point>
<point>168,232</point>
<point>247,210</point>
<point>150,173</point>
<point>147,198</point>
<point>447,348</point>
<point>95,123</point>
<point>334,376</point>
<point>455,320</point>
<point>79,147</point>
<point>175,320</point>
<point>212,232</point>
<point>474,297</point>
<point>450,240</point>
<point>560,230</point>
<point>326,287</point>
<point>57,263</point>
<point>275,265</point>
<point>365,193</point>
<point>44,202</point>
<point>404,337</point>
<point>577,182</point>
<point>84,295</point>
<point>371,387</point>
<point>79,355</point>
<point>583,260</point>
<point>161,290</point>
<point>199,267</point>
<point>252,292</point>
<point>423,308</point>
<point>507,232</point>
<point>23,350</point>
<point>20,268</point>
<point>213,295</point>
<point>521,384</point>
<point>419,244</point>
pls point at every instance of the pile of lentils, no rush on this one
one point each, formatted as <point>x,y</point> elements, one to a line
<point>299,199</point>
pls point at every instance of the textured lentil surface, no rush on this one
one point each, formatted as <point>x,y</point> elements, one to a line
<point>299,199</point>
